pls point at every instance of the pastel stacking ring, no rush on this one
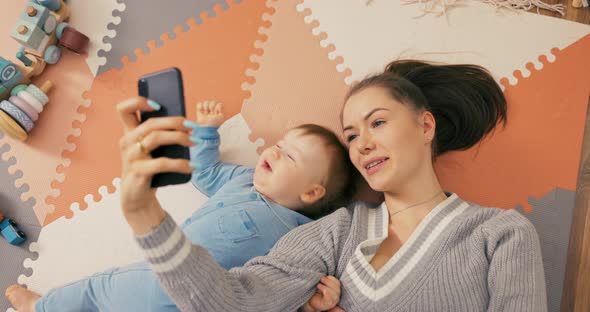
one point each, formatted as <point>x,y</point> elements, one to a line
<point>38,94</point>
<point>10,127</point>
<point>18,89</point>
<point>31,100</point>
<point>25,107</point>
<point>23,119</point>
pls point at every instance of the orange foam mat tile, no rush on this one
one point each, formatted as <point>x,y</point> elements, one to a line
<point>540,148</point>
<point>213,56</point>
<point>296,82</point>
<point>41,153</point>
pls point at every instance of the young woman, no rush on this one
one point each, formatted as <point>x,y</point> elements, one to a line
<point>422,249</point>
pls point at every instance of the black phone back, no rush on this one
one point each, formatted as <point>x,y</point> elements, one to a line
<point>165,87</point>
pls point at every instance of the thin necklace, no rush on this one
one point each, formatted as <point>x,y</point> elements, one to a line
<point>418,204</point>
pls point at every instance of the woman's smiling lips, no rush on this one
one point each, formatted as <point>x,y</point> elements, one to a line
<point>374,164</point>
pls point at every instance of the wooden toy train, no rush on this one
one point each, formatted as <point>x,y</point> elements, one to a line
<point>42,31</point>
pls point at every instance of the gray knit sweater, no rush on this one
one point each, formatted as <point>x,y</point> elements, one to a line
<point>461,257</point>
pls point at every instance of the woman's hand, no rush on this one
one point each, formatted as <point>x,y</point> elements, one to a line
<point>138,200</point>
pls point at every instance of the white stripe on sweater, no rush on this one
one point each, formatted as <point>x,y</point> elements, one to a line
<point>175,261</point>
<point>367,290</point>
<point>358,282</point>
<point>417,232</point>
<point>399,277</point>
<point>166,246</point>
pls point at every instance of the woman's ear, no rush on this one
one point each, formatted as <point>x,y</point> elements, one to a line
<point>429,126</point>
<point>315,193</point>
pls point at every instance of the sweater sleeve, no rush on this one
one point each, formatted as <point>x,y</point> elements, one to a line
<point>516,280</point>
<point>283,280</point>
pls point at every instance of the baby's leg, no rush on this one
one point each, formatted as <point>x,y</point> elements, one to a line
<point>131,288</point>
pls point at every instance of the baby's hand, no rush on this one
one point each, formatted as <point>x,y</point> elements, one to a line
<point>209,114</point>
<point>327,296</point>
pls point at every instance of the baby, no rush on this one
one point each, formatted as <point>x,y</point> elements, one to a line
<point>303,177</point>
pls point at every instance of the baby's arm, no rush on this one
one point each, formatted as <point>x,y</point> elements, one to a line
<point>210,174</point>
<point>327,296</point>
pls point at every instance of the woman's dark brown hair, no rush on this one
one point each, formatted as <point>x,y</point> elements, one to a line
<point>465,100</point>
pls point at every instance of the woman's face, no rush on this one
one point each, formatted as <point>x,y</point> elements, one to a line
<point>388,142</point>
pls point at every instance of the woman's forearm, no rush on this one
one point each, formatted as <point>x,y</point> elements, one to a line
<point>281,281</point>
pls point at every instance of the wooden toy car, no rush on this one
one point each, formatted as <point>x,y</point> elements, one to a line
<point>10,231</point>
<point>41,27</point>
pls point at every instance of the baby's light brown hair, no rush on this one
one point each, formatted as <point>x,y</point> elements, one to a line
<point>340,180</point>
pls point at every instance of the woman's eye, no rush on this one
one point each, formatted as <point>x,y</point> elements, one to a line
<point>377,123</point>
<point>293,159</point>
<point>350,138</point>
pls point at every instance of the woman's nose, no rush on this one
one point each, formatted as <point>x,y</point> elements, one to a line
<point>365,144</point>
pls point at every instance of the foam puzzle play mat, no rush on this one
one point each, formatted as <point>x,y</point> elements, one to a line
<point>274,64</point>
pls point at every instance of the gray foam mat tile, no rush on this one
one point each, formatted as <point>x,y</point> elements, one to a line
<point>552,217</point>
<point>145,20</point>
<point>12,257</point>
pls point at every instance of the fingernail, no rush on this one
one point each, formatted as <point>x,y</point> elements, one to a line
<point>154,104</point>
<point>193,165</point>
<point>190,124</point>
<point>195,139</point>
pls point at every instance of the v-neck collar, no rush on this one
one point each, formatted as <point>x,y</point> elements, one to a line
<point>378,284</point>
<point>381,219</point>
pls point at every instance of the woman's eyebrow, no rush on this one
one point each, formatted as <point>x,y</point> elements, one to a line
<point>367,116</point>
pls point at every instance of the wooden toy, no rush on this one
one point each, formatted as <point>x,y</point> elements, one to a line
<point>10,231</point>
<point>42,31</point>
<point>20,111</point>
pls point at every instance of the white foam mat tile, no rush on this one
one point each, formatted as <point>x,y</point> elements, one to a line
<point>236,147</point>
<point>370,36</point>
<point>92,17</point>
<point>97,238</point>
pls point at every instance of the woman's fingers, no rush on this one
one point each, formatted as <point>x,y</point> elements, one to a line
<point>336,309</point>
<point>154,124</point>
<point>153,140</point>
<point>127,111</point>
<point>128,115</point>
<point>146,168</point>
<point>159,138</point>
<point>162,123</point>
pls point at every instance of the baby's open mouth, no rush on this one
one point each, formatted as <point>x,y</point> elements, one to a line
<point>266,166</point>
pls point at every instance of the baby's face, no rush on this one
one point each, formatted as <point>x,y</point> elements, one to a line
<point>292,166</point>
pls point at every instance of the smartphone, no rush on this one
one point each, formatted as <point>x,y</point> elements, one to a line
<point>165,87</point>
